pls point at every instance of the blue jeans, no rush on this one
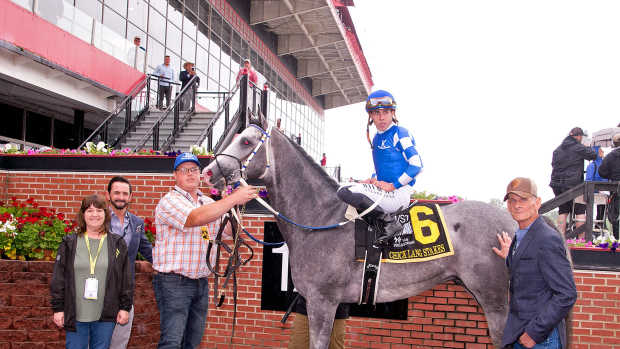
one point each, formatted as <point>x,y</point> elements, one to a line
<point>552,342</point>
<point>93,335</point>
<point>183,305</point>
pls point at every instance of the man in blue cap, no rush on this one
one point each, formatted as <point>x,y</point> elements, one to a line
<point>186,220</point>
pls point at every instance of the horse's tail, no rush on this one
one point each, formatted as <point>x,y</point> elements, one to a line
<point>569,317</point>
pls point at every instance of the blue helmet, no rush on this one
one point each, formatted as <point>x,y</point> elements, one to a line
<point>380,99</point>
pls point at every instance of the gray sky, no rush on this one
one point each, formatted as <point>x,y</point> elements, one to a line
<point>487,88</point>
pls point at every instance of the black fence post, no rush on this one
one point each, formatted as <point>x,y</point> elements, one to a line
<point>128,114</point>
<point>156,137</point>
<point>588,197</point>
<point>148,92</point>
<point>254,111</point>
<point>175,126</point>
<point>243,103</point>
<point>226,115</point>
<point>264,99</point>
<point>210,139</point>
<point>104,137</point>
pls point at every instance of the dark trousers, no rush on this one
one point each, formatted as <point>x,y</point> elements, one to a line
<point>187,102</point>
<point>612,212</point>
<point>183,305</point>
<point>161,92</point>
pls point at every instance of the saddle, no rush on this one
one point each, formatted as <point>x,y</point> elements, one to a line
<point>422,236</point>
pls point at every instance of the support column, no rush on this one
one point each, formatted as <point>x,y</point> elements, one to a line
<point>78,127</point>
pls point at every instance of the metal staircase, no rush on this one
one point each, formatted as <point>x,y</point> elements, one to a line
<point>186,137</point>
<point>196,124</point>
<point>135,124</point>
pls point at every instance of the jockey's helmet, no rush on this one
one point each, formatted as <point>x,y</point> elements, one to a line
<point>380,99</point>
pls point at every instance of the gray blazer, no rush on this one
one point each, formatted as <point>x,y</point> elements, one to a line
<point>542,289</point>
<point>138,243</point>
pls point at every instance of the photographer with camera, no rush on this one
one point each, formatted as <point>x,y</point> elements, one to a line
<point>567,164</point>
<point>185,76</point>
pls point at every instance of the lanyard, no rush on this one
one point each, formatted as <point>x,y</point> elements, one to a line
<point>92,261</point>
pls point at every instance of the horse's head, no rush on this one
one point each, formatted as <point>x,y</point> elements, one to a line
<point>243,157</point>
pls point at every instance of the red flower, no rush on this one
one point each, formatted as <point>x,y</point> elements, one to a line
<point>61,216</point>
<point>30,201</point>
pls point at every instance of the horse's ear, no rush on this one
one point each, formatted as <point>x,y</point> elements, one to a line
<point>254,119</point>
<point>258,120</point>
<point>263,120</point>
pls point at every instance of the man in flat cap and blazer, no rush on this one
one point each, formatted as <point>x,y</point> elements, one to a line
<point>542,289</point>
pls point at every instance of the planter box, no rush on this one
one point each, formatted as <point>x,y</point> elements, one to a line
<point>595,258</point>
<point>92,163</point>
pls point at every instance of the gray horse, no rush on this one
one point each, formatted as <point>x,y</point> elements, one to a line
<point>322,261</point>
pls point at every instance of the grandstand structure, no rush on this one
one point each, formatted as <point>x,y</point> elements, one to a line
<point>67,67</point>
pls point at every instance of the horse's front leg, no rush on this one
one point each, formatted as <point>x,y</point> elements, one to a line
<point>321,315</point>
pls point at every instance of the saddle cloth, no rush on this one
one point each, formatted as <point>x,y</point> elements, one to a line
<point>424,236</point>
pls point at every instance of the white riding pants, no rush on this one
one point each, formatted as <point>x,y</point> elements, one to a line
<point>389,202</point>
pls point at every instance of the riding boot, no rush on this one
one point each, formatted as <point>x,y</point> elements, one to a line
<point>390,228</point>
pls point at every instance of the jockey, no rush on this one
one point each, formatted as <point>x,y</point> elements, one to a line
<point>396,161</point>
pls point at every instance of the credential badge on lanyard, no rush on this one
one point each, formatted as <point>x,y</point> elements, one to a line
<point>92,284</point>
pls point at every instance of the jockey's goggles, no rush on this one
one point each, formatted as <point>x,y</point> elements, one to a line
<point>385,102</point>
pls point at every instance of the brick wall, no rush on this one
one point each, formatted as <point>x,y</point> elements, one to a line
<point>65,190</point>
<point>25,303</point>
<point>444,317</point>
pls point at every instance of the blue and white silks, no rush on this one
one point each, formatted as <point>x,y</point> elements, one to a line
<point>396,161</point>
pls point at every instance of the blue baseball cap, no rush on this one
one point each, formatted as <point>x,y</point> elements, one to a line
<point>185,157</point>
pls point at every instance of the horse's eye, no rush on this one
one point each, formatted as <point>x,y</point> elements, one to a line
<point>209,173</point>
<point>246,142</point>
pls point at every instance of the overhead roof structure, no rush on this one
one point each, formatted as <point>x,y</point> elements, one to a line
<point>321,36</point>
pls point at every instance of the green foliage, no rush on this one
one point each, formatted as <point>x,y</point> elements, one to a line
<point>423,195</point>
<point>30,232</point>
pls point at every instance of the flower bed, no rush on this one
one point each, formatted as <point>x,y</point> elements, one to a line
<point>96,149</point>
<point>607,242</point>
<point>30,232</point>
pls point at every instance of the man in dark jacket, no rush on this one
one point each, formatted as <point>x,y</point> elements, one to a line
<point>567,173</point>
<point>542,288</point>
<point>131,228</point>
<point>610,169</point>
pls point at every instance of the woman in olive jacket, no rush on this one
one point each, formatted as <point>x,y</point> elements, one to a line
<point>91,287</point>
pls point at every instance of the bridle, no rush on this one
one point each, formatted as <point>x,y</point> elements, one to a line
<point>243,166</point>
<point>234,260</point>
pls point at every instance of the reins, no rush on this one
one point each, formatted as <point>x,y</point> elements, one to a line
<point>234,263</point>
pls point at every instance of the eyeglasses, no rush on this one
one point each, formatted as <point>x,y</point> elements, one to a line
<point>385,102</point>
<point>191,170</point>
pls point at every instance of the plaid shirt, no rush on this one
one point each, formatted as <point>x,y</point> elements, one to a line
<point>178,249</point>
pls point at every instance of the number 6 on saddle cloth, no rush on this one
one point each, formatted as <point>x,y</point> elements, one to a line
<point>423,236</point>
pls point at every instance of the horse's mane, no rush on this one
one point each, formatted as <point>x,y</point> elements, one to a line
<point>329,179</point>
